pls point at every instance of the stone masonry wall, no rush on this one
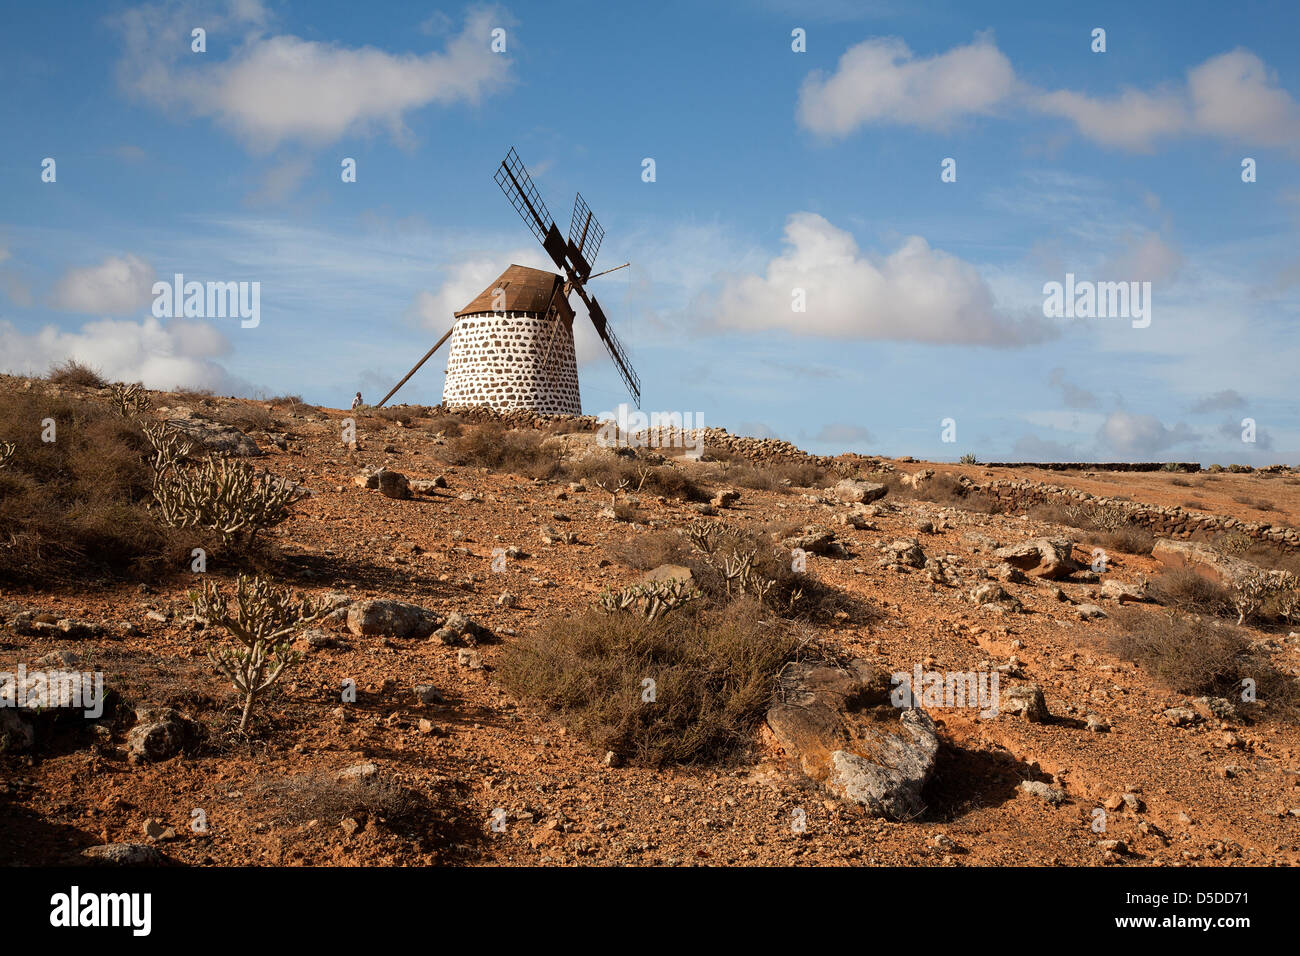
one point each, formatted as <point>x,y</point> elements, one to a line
<point>496,359</point>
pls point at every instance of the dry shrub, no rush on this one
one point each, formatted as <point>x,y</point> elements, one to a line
<point>244,416</point>
<point>1130,539</point>
<point>646,551</point>
<point>78,507</point>
<point>1180,482</point>
<point>192,396</point>
<point>73,372</point>
<point>944,489</point>
<point>793,594</point>
<point>611,470</point>
<point>1270,557</point>
<point>493,446</point>
<point>329,798</point>
<point>771,475</point>
<point>713,672</point>
<point>1197,657</point>
<point>1259,504</point>
<point>1112,527</point>
<point>1194,593</point>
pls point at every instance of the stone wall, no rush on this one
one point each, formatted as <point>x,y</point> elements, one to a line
<point>1171,522</point>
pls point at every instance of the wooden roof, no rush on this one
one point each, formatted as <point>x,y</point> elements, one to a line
<point>526,290</point>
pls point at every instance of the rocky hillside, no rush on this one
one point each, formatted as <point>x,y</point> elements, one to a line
<point>519,647</point>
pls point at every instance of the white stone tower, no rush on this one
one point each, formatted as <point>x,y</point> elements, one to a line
<point>512,347</point>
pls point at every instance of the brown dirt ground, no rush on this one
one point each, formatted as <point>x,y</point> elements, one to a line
<point>563,805</point>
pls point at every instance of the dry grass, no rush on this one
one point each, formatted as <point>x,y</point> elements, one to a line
<point>325,797</point>
<point>668,480</point>
<point>944,489</point>
<point>1197,657</point>
<point>1259,504</point>
<point>1130,539</point>
<point>73,372</point>
<point>794,594</point>
<point>493,446</point>
<point>769,476</point>
<point>713,674</point>
<point>245,416</point>
<point>76,508</point>
<point>1193,593</point>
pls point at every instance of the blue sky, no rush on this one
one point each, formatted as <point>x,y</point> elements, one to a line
<point>775,171</point>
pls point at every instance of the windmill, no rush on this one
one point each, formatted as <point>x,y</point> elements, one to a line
<point>512,346</point>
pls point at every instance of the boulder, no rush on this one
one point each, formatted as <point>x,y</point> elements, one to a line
<point>124,854</point>
<point>1203,559</point>
<point>863,492</point>
<point>814,539</point>
<point>392,484</point>
<point>846,735</point>
<point>1025,700</point>
<point>1123,592</point>
<point>216,437</point>
<point>907,551</point>
<point>391,619</point>
<point>160,733</point>
<point>668,572</point>
<point>1042,557</point>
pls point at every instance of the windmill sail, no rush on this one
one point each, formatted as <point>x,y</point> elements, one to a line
<point>574,257</point>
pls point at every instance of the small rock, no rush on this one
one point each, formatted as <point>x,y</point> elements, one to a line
<point>1044,792</point>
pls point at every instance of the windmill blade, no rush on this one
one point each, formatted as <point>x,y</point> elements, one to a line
<point>612,344</point>
<point>585,235</point>
<point>512,176</point>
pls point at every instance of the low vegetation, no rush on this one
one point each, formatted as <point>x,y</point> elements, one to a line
<point>681,688</point>
<point>73,372</point>
<point>1198,657</point>
<point>76,507</point>
<point>261,619</point>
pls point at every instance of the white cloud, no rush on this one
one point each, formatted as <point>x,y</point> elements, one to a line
<point>1235,96</point>
<point>1140,435</point>
<point>117,285</point>
<point>914,294</point>
<point>163,356</point>
<point>1232,96</point>
<point>277,88</point>
<point>880,80</point>
<point>1133,120</point>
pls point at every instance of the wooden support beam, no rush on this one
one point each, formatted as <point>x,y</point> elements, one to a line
<point>427,356</point>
